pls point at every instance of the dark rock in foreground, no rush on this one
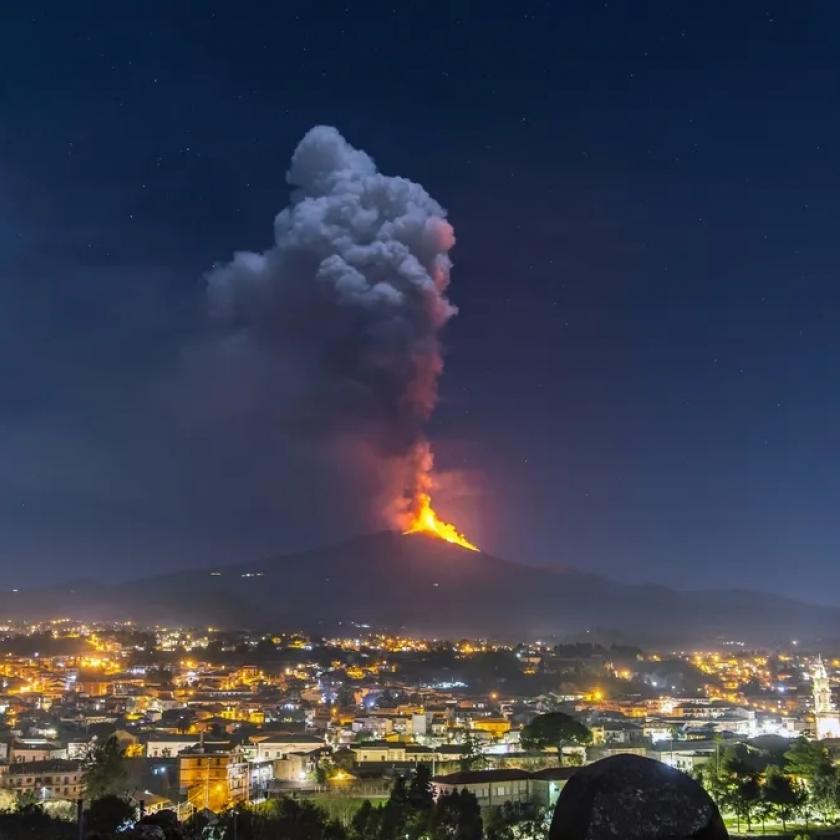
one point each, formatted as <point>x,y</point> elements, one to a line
<point>634,798</point>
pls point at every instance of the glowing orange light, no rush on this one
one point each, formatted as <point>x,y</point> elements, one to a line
<point>424,520</point>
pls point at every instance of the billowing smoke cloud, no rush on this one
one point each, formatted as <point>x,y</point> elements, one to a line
<point>343,313</point>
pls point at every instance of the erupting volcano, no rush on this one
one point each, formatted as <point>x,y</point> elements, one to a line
<point>338,325</point>
<point>425,521</point>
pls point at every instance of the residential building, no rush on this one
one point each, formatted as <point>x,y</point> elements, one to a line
<point>213,777</point>
<point>56,778</point>
<point>520,788</point>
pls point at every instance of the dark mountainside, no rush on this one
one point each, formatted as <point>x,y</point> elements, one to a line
<point>422,585</point>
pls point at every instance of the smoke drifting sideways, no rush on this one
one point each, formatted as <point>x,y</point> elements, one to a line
<point>344,314</point>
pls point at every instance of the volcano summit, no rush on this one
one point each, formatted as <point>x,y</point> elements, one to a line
<point>420,584</point>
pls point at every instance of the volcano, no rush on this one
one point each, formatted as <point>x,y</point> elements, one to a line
<point>418,583</point>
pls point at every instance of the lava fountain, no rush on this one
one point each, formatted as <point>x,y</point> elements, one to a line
<point>424,520</point>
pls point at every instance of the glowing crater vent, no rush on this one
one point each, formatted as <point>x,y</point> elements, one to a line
<point>424,520</point>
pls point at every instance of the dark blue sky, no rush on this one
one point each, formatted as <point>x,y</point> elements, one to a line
<point>643,377</point>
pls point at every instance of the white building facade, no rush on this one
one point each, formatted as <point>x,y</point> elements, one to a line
<point>825,713</point>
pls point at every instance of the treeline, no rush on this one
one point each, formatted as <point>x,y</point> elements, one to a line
<point>410,813</point>
<point>758,784</point>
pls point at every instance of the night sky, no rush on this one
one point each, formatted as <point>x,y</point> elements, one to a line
<point>642,380</point>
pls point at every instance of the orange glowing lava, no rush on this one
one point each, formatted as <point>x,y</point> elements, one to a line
<point>424,520</point>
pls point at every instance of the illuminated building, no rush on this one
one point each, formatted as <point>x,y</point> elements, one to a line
<point>494,726</point>
<point>213,778</point>
<point>268,745</point>
<point>30,750</point>
<point>164,745</point>
<point>56,778</point>
<point>825,714</point>
<point>388,752</point>
<point>497,788</point>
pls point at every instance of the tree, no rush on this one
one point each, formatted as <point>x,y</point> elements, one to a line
<point>741,760</point>
<point>419,793</point>
<point>824,792</point>
<point>108,813</point>
<point>344,759</point>
<point>457,816</point>
<point>810,762</point>
<point>345,697</point>
<point>738,780</point>
<point>104,770</point>
<point>394,814</point>
<point>8,800</point>
<point>399,792</point>
<point>409,810</point>
<point>499,823</point>
<point>782,794</point>
<point>286,818</point>
<point>807,759</point>
<point>27,799</point>
<point>33,822</point>
<point>510,823</point>
<point>716,780</point>
<point>747,796</point>
<point>471,756</point>
<point>365,822</point>
<point>575,759</point>
<point>411,813</point>
<point>555,729</point>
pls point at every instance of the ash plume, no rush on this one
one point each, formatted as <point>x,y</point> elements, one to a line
<point>340,318</point>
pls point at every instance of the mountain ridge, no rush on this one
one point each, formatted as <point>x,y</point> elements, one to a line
<point>419,584</point>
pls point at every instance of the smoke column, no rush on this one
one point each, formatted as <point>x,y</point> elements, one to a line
<point>349,303</point>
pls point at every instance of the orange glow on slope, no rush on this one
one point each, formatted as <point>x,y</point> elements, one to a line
<point>424,520</point>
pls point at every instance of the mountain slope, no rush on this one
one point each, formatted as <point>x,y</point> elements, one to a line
<point>420,584</point>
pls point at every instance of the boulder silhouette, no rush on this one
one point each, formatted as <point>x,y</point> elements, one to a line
<point>634,798</point>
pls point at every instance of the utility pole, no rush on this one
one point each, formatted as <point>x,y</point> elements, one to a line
<point>80,817</point>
